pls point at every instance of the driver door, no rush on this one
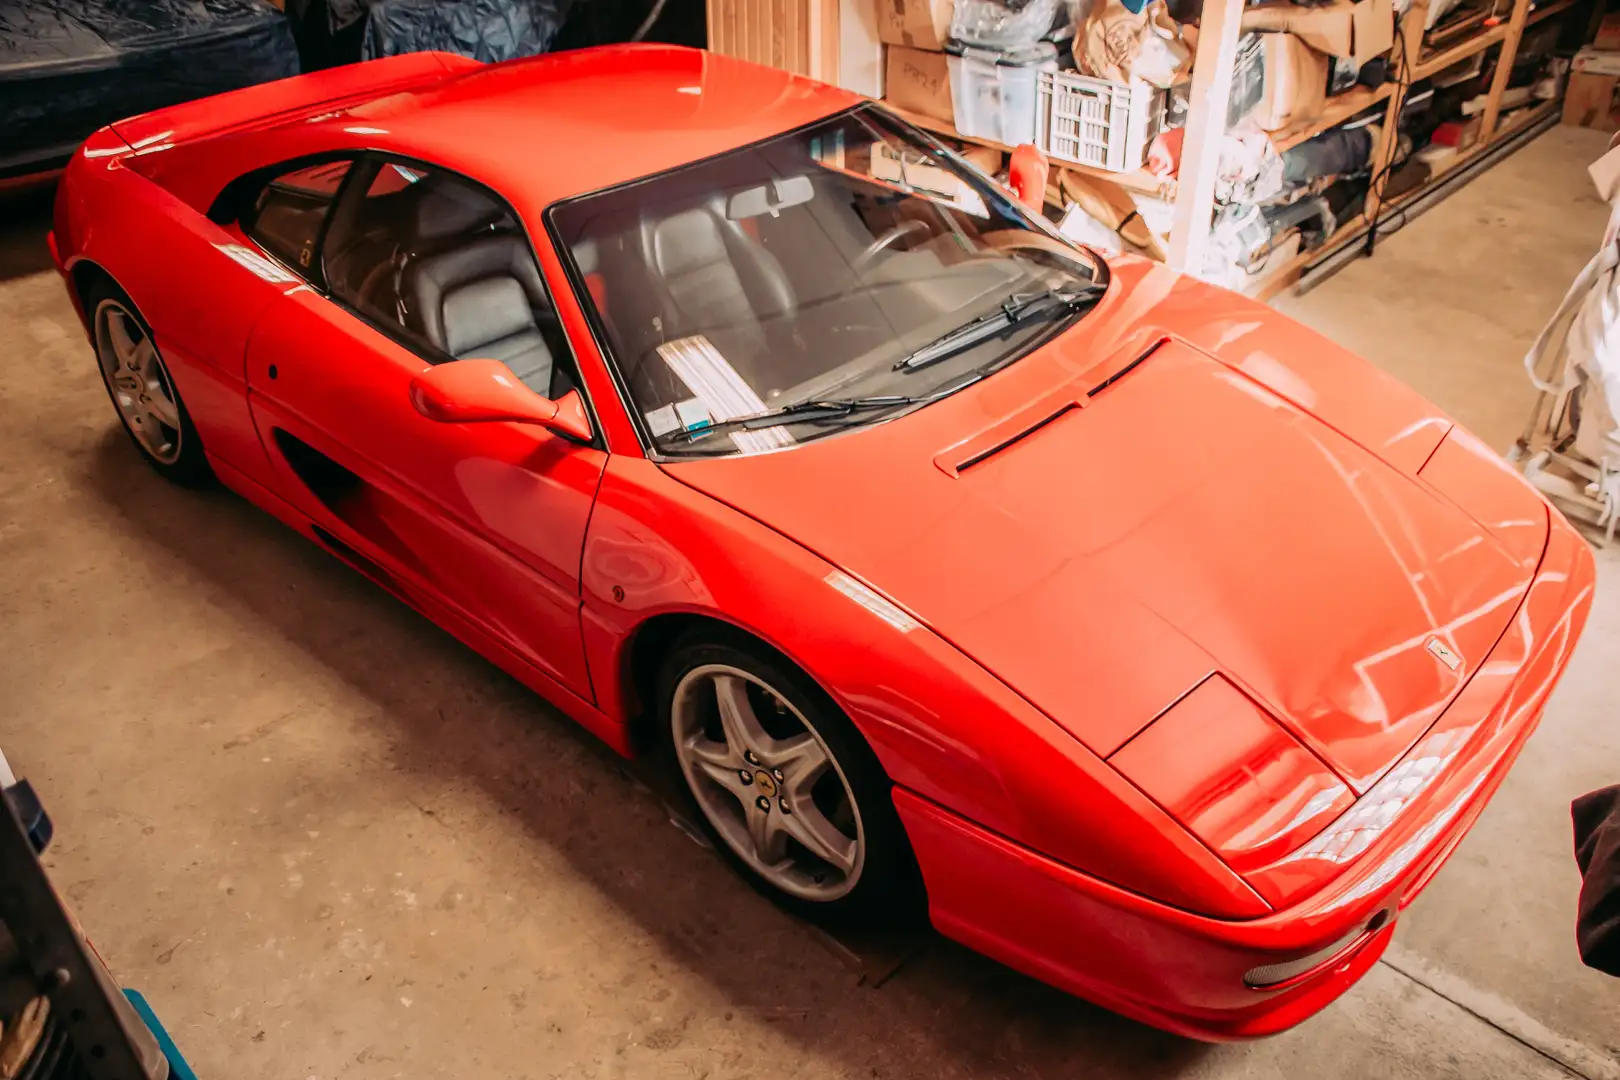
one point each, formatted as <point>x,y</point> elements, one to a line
<point>418,266</point>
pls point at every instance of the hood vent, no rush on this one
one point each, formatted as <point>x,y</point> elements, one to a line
<point>1128,368</point>
<point>985,453</point>
<point>1020,426</point>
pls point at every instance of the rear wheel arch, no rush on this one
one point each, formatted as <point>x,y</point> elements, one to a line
<point>86,274</point>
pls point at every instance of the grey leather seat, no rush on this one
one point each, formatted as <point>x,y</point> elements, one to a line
<point>718,280</point>
<point>478,297</point>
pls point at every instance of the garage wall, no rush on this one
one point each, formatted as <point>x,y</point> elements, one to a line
<point>798,35</point>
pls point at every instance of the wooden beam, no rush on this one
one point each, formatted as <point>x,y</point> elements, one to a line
<point>1504,67</point>
<point>1404,57</point>
<point>798,35</point>
<point>1218,28</point>
<point>823,29</point>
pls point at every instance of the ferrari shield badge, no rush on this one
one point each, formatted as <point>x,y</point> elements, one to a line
<point>1443,653</point>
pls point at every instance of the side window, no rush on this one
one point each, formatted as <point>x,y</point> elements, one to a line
<point>286,216</point>
<point>442,264</point>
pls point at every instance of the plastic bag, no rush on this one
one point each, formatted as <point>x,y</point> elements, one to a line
<point>1010,24</point>
<point>1121,46</point>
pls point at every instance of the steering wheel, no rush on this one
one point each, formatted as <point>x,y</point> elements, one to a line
<point>905,228</point>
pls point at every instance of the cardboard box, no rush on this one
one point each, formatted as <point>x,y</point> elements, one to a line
<point>1355,29</point>
<point>1590,101</point>
<point>1593,61</point>
<point>1295,82</point>
<point>918,24</point>
<point>919,80</point>
<point>1608,32</point>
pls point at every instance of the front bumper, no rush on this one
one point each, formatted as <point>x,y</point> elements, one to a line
<point>1185,972</point>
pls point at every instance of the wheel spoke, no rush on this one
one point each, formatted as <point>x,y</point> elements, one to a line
<point>802,761</point>
<point>768,761</point>
<point>764,830</point>
<point>810,827</point>
<point>742,727</point>
<point>118,336</point>
<point>717,762</point>
<point>161,408</point>
<point>142,360</point>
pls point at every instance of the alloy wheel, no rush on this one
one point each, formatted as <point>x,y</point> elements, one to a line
<point>140,384</point>
<point>767,782</point>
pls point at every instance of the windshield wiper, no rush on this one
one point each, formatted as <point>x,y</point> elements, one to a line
<point>814,409</point>
<point>1013,310</point>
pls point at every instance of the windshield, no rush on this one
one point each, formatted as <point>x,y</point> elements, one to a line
<point>834,276</point>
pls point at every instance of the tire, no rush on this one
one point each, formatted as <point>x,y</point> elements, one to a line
<point>875,881</point>
<point>141,390</point>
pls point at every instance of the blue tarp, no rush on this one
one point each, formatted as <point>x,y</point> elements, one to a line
<point>67,67</point>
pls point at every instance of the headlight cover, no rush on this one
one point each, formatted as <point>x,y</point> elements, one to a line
<point>1484,486</point>
<point>1233,776</point>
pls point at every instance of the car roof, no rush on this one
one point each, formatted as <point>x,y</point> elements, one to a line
<point>555,126</point>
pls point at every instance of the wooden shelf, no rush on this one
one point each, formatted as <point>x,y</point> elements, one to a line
<point>1524,117</point>
<point>1274,282</point>
<point>1444,58</point>
<point>1548,10</point>
<point>1340,108</point>
<point>1355,228</point>
<point>1139,180</point>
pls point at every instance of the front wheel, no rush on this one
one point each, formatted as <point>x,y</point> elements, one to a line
<point>784,785</point>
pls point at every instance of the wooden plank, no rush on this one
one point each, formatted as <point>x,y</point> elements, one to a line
<point>1218,28</point>
<point>1444,58</point>
<point>1288,273</point>
<point>1526,116</point>
<point>1138,180</point>
<point>1547,11</point>
<point>796,35</point>
<point>1504,68</point>
<point>822,31</point>
<point>1340,108</point>
<point>1409,45</point>
<point>1356,227</point>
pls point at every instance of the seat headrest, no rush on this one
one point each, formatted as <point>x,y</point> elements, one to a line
<point>587,257</point>
<point>486,311</point>
<point>452,210</point>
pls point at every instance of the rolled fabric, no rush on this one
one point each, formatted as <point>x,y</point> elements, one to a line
<point>1596,817</point>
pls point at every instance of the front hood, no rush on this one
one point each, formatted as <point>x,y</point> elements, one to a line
<point>1102,551</point>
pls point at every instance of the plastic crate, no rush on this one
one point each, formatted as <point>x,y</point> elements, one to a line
<point>1106,125</point>
<point>995,94</point>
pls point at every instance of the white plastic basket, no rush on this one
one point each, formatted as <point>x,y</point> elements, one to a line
<point>995,95</point>
<point>1107,125</point>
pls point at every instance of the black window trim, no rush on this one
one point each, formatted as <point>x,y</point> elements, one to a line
<point>234,204</point>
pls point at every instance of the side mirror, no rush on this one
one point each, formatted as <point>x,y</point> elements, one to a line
<point>477,391</point>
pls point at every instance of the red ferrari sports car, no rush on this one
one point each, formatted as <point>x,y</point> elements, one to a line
<point>1149,642</point>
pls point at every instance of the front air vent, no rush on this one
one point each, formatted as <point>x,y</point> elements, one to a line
<point>1128,368</point>
<point>988,452</point>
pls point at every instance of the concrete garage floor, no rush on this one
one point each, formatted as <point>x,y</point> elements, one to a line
<point>328,841</point>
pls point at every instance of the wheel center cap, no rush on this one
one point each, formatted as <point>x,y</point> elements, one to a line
<point>765,782</point>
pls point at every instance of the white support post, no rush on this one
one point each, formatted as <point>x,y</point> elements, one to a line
<point>1206,126</point>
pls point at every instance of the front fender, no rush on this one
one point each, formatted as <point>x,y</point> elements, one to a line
<point>941,726</point>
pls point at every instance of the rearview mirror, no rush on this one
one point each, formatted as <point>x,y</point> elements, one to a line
<point>478,391</point>
<point>771,197</point>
